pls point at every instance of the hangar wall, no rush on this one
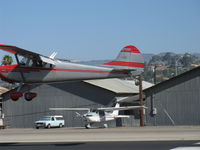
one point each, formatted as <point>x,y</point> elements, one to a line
<point>177,100</point>
<point>23,114</point>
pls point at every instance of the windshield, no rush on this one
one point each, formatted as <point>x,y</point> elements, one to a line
<point>46,118</point>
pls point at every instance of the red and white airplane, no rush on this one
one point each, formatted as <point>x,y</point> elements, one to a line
<point>36,68</point>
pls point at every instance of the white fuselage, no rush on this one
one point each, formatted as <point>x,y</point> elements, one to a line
<point>93,117</point>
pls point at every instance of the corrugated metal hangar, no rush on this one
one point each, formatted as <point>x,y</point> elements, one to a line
<point>175,101</point>
<point>92,94</point>
<point>172,102</point>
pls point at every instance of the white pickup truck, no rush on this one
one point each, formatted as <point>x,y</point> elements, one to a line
<point>50,121</point>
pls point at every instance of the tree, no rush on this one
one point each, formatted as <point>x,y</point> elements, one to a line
<point>7,60</point>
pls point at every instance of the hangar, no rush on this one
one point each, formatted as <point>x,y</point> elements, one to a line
<point>175,101</point>
<point>90,93</point>
<point>2,90</point>
<point>172,102</point>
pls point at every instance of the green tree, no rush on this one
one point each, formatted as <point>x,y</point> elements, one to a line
<point>7,60</point>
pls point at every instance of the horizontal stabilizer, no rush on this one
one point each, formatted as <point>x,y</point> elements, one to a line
<point>121,108</point>
<point>122,116</point>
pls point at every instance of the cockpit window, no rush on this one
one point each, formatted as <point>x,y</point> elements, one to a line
<point>33,62</point>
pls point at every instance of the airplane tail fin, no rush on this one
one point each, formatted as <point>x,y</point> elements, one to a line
<point>129,58</point>
<point>116,112</point>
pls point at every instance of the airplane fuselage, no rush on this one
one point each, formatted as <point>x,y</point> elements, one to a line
<point>92,117</point>
<point>61,71</point>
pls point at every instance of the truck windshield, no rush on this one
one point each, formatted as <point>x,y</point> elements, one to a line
<point>46,118</point>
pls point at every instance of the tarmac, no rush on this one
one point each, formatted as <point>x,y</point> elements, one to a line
<point>155,133</point>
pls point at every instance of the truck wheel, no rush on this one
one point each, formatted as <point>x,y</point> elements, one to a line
<point>37,127</point>
<point>60,125</point>
<point>48,126</point>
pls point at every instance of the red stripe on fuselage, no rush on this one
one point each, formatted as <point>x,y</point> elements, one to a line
<point>126,64</point>
<point>16,68</point>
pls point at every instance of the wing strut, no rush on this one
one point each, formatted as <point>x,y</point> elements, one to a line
<point>21,73</point>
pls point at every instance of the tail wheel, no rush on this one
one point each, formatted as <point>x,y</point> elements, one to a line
<point>29,96</point>
<point>15,95</point>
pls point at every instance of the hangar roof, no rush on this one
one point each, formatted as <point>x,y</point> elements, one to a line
<point>118,85</point>
<point>194,71</point>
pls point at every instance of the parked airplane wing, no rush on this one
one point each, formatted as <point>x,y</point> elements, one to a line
<point>71,109</point>
<point>121,108</point>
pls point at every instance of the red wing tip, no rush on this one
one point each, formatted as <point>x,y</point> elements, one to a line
<point>3,45</point>
<point>130,49</point>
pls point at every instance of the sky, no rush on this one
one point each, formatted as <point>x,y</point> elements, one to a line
<point>99,29</point>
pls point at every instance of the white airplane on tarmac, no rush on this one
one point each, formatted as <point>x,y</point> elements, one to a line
<point>102,114</point>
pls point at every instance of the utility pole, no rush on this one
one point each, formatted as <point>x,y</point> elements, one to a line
<point>141,101</point>
<point>154,74</point>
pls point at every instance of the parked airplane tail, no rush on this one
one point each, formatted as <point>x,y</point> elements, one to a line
<point>129,58</point>
<point>116,112</point>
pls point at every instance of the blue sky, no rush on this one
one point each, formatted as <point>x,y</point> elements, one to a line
<point>98,29</point>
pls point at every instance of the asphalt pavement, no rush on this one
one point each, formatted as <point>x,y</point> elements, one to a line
<point>142,145</point>
<point>134,138</point>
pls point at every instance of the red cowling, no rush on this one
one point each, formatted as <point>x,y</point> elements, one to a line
<point>15,95</point>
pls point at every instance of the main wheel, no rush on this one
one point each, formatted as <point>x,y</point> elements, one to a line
<point>105,125</point>
<point>87,126</point>
<point>29,96</point>
<point>15,95</point>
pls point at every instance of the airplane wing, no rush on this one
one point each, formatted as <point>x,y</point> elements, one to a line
<point>71,109</point>
<point>25,53</point>
<point>17,50</point>
<point>121,108</point>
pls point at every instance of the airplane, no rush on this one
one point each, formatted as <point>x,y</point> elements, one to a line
<point>32,68</point>
<point>100,114</point>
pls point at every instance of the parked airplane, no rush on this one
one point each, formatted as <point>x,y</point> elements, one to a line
<point>35,68</point>
<point>100,114</point>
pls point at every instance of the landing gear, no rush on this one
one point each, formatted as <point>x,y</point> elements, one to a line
<point>15,95</point>
<point>29,96</point>
<point>105,125</point>
<point>88,126</point>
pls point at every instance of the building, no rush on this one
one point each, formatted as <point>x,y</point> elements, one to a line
<point>172,102</point>
<point>175,101</point>
<point>2,90</point>
<point>91,93</point>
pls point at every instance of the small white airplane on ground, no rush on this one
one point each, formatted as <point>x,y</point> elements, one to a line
<point>100,114</point>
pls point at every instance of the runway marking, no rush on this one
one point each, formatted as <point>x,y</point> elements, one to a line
<point>186,148</point>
